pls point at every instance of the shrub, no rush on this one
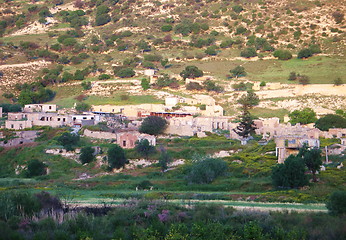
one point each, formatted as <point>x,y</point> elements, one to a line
<point>338,82</point>
<point>116,157</point>
<point>282,54</point>
<point>336,203</point>
<point>237,8</point>
<point>102,19</point>
<point>145,83</point>
<point>248,53</point>
<point>304,53</point>
<point>36,168</point>
<point>238,71</point>
<point>240,30</point>
<point>144,148</point>
<point>330,121</point>
<point>191,72</point>
<point>211,50</point>
<point>292,76</point>
<point>206,170</point>
<point>153,125</point>
<point>193,86</point>
<point>82,107</point>
<point>68,140</point>
<point>86,85</point>
<point>104,77</point>
<point>338,16</point>
<point>87,155</point>
<point>125,72</point>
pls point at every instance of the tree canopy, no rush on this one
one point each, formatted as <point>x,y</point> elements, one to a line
<point>68,140</point>
<point>238,71</point>
<point>330,121</point>
<point>116,157</point>
<point>87,155</point>
<point>153,125</point>
<point>312,159</point>
<point>191,72</point>
<point>144,148</point>
<point>305,116</point>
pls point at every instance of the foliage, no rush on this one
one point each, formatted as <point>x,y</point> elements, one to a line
<point>191,72</point>
<point>305,116</point>
<point>330,121</point>
<point>116,157</point>
<point>145,83</point>
<point>166,28</point>
<point>144,148</point>
<point>87,155</point>
<point>194,86</point>
<point>7,107</point>
<point>35,94</point>
<point>102,19</point>
<point>290,174</point>
<point>125,73</point>
<point>153,125</point>
<point>86,85</point>
<point>303,79</point>
<point>164,159</point>
<point>338,16</point>
<point>282,54</point>
<point>166,81</point>
<point>336,203</point>
<point>82,107</point>
<point>338,82</point>
<point>68,140</point>
<point>248,53</point>
<point>35,168</point>
<point>104,77</point>
<point>206,170</point>
<point>312,159</point>
<point>246,127</point>
<point>238,71</point>
<point>209,85</point>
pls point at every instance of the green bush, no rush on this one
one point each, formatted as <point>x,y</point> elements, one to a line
<point>282,54</point>
<point>87,155</point>
<point>35,168</point>
<point>336,203</point>
<point>248,53</point>
<point>125,73</point>
<point>166,28</point>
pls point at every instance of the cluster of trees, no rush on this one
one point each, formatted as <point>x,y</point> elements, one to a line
<point>102,15</point>
<point>187,27</point>
<point>35,93</point>
<point>291,174</point>
<point>305,116</point>
<point>308,52</point>
<point>166,81</point>
<point>302,79</point>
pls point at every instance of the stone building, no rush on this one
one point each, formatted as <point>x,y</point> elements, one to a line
<point>40,108</point>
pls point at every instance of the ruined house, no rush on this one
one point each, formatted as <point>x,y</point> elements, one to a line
<point>290,144</point>
<point>40,108</point>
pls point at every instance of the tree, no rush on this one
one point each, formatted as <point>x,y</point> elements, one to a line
<point>338,16</point>
<point>336,203</point>
<point>292,76</point>
<point>282,54</point>
<point>305,116</point>
<point>36,168</point>
<point>144,148</point>
<point>166,28</point>
<point>164,159</point>
<point>87,155</point>
<point>312,159</point>
<point>248,53</point>
<point>102,19</point>
<point>238,71</point>
<point>290,174</point>
<point>82,107</point>
<point>68,140</point>
<point>86,85</point>
<point>330,121</point>
<point>153,125</point>
<point>206,170</point>
<point>125,73</point>
<point>145,83</point>
<point>191,72</point>
<point>305,53</point>
<point>246,126</point>
<point>209,85</point>
<point>116,157</point>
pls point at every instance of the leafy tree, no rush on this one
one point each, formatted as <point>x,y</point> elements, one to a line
<point>166,81</point>
<point>144,148</point>
<point>116,157</point>
<point>82,107</point>
<point>312,159</point>
<point>104,77</point>
<point>290,174</point>
<point>87,155</point>
<point>330,121</point>
<point>194,86</point>
<point>336,203</point>
<point>237,8</point>
<point>238,71</point>
<point>209,85</point>
<point>145,83</point>
<point>304,53</point>
<point>153,125</point>
<point>143,46</point>
<point>125,73</point>
<point>7,107</point>
<point>249,100</point>
<point>36,168</point>
<point>211,51</point>
<point>191,72</point>
<point>282,54</point>
<point>164,159</point>
<point>305,116</point>
<point>248,53</point>
<point>102,19</point>
<point>206,170</point>
<point>68,140</point>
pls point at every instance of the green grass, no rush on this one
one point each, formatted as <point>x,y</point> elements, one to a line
<point>268,113</point>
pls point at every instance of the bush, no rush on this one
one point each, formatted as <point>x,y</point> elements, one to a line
<point>191,72</point>
<point>282,54</point>
<point>238,71</point>
<point>86,85</point>
<point>206,170</point>
<point>338,16</point>
<point>102,19</point>
<point>82,107</point>
<point>68,140</point>
<point>330,121</point>
<point>125,72</point>
<point>305,53</point>
<point>248,53</point>
<point>104,77</point>
<point>153,125</point>
<point>193,86</point>
<point>87,155</point>
<point>116,157</point>
<point>36,168</point>
<point>336,203</point>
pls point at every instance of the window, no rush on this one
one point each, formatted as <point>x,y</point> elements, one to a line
<point>12,126</point>
<point>58,119</point>
<point>64,119</point>
<point>124,143</point>
<point>84,117</point>
<point>50,107</point>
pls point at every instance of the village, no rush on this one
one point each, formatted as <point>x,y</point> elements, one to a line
<point>188,120</point>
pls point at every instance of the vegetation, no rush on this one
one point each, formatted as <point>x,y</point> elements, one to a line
<point>87,155</point>
<point>305,116</point>
<point>191,72</point>
<point>153,125</point>
<point>330,121</point>
<point>144,148</point>
<point>116,157</point>
<point>336,203</point>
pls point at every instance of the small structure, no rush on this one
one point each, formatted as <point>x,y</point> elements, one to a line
<point>39,108</point>
<point>18,138</point>
<point>287,145</point>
